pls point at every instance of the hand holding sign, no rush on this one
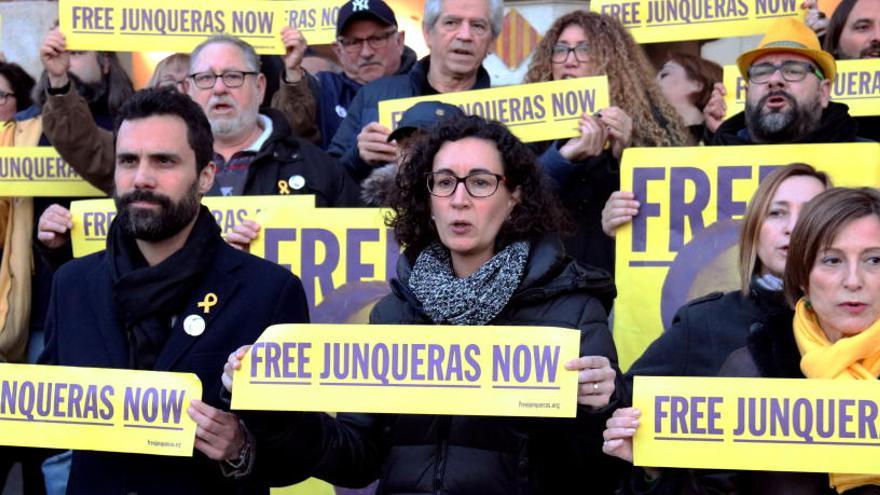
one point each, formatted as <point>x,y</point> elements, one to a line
<point>295,45</point>
<point>233,364</point>
<point>55,58</point>
<point>53,229</point>
<point>590,143</point>
<point>373,144</point>
<point>715,109</point>
<point>242,234</point>
<point>595,380</point>
<point>619,210</point>
<point>619,431</point>
<point>815,19</point>
<point>620,128</point>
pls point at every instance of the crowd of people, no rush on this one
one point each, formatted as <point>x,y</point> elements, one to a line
<point>493,231</point>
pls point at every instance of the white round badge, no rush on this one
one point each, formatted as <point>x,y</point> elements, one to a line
<point>194,325</point>
<point>297,182</point>
<point>341,111</point>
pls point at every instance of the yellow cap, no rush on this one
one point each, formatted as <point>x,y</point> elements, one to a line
<point>790,35</point>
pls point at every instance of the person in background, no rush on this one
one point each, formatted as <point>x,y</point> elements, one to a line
<point>171,71</point>
<point>697,342</point>
<point>687,82</point>
<point>587,167</point>
<point>15,91</point>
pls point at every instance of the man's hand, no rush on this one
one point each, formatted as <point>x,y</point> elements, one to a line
<point>55,58</point>
<point>295,48</point>
<point>241,235</point>
<point>53,228</point>
<point>715,108</point>
<point>373,145</point>
<point>218,433</point>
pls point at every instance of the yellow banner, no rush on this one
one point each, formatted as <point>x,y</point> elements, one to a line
<point>683,243</point>
<point>652,21</point>
<point>169,25</point>
<point>40,171</point>
<point>344,256</point>
<point>112,410</point>
<point>857,84</point>
<point>757,424</point>
<point>315,19</point>
<point>411,369</point>
<point>533,112</point>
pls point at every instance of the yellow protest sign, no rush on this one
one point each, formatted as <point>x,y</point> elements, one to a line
<point>683,243</point>
<point>857,84</point>
<point>533,112</point>
<point>411,369</point>
<point>652,21</point>
<point>757,424</point>
<point>112,410</point>
<point>315,19</point>
<point>92,218</point>
<point>169,25</point>
<point>344,256</point>
<point>40,171</point>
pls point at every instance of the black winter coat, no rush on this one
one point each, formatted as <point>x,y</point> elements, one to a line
<point>697,343</point>
<point>420,454</point>
<point>771,352</point>
<point>284,156</point>
<point>836,126</point>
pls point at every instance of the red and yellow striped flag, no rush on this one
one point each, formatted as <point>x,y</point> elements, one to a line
<point>518,39</point>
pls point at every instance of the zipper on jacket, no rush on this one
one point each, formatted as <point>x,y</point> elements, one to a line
<point>442,453</point>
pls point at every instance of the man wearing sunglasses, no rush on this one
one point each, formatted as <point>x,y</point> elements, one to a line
<point>788,97</point>
<point>368,47</point>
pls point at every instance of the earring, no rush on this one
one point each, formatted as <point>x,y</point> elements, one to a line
<point>807,303</point>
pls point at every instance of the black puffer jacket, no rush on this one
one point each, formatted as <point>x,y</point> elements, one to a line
<point>420,454</point>
<point>284,158</point>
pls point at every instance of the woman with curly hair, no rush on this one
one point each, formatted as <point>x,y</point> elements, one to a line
<point>583,44</point>
<point>479,230</point>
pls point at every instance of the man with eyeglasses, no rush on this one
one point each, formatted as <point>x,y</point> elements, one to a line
<point>459,34</point>
<point>368,47</point>
<point>788,97</point>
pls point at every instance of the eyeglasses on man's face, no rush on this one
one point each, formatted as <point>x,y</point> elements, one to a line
<point>791,70</point>
<point>478,185</point>
<point>355,45</point>
<point>231,78</point>
<point>559,53</point>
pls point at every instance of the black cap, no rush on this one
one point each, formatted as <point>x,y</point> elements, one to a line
<point>423,116</point>
<point>357,9</point>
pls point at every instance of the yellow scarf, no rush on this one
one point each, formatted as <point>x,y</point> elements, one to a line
<point>850,358</point>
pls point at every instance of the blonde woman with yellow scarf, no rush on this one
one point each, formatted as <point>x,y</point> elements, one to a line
<point>832,279</point>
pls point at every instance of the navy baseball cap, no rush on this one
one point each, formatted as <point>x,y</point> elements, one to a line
<point>358,9</point>
<point>423,116</point>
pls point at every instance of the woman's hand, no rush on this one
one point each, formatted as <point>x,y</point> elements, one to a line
<point>815,19</point>
<point>595,380</point>
<point>619,430</point>
<point>591,142</point>
<point>619,210</point>
<point>619,126</point>
<point>715,109</point>
<point>233,364</point>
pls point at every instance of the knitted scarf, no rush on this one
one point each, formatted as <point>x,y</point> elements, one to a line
<point>473,300</point>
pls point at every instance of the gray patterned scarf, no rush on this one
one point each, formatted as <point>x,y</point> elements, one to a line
<point>474,300</point>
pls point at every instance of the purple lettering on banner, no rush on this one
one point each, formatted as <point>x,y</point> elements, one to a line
<point>392,253</point>
<point>825,422</point>
<point>867,419</point>
<point>58,400</point>
<point>678,414</point>
<point>356,271</point>
<point>802,419</point>
<point>417,361</point>
<point>501,366</point>
<point>714,415</point>
<point>107,392</point>
<point>696,415</point>
<point>679,208</point>
<point>172,405</point>
<point>130,402</point>
<point>545,363</point>
<point>779,416</point>
<point>360,360</point>
<point>845,419</point>
<point>273,238</point>
<point>340,365</point>
<point>641,176</point>
<point>273,355</point>
<point>522,363</point>
<point>150,405</point>
<point>765,170</point>
<point>314,272</point>
<point>727,207</point>
<point>659,413</point>
<point>399,361</point>
<point>471,352</point>
<point>757,407</point>
<point>436,354</point>
<point>43,399</point>
<point>74,405</point>
<point>256,358</point>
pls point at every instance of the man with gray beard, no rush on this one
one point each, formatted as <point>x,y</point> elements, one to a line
<point>788,98</point>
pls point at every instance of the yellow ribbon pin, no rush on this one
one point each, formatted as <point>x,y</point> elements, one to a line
<point>283,187</point>
<point>209,301</point>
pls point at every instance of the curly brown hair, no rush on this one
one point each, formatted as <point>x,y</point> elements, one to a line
<point>631,83</point>
<point>536,214</point>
